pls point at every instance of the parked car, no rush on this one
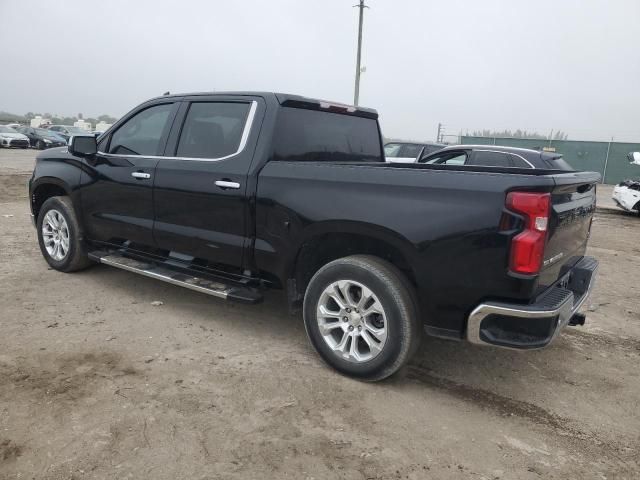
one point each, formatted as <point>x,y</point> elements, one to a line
<point>400,152</point>
<point>10,138</point>
<point>67,131</point>
<point>627,193</point>
<point>496,156</point>
<point>42,138</point>
<point>230,194</point>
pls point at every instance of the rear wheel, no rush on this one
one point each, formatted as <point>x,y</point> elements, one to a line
<point>40,145</point>
<point>60,236</point>
<point>361,317</point>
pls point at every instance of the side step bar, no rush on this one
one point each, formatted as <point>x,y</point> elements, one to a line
<point>199,284</point>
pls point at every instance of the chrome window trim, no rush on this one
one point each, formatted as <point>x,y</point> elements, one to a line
<point>243,141</point>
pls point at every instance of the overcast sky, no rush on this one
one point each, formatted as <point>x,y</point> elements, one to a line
<point>572,65</point>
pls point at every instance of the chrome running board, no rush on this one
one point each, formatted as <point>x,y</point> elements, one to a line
<point>154,270</point>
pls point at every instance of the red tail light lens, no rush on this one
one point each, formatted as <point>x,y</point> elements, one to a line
<point>527,248</point>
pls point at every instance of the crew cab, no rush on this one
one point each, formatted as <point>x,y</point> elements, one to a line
<point>230,194</point>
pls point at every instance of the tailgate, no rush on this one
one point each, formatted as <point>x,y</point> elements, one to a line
<point>573,202</point>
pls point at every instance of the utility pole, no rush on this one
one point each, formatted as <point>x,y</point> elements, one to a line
<point>439,132</point>
<point>356,93</point>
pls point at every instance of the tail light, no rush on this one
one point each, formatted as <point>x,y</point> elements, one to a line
<point>527,248</point>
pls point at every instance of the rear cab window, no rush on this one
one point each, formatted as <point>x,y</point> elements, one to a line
<point>319,136</point>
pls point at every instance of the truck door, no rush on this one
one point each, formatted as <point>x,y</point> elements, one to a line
<point>200,189</point>
<point>116,193</point>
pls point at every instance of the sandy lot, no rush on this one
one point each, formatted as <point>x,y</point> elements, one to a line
<point>96,382</point>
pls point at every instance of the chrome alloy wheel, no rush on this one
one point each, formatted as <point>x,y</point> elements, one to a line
<point>55,235</point>
<point>352,321</point>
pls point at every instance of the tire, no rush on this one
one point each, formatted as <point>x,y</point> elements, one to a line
<point>40,145</point>
<point>73,254</point>
<point>397,328</point>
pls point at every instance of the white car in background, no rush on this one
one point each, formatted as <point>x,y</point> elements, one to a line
<point>10,138</point>
<point>404,152</point>
<point>627,193</point>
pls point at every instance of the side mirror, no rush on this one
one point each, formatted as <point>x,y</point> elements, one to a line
<point>634,158</point>
<point>83,146</point>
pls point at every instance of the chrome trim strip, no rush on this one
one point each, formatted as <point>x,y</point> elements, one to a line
<point>243,142</point>
<point>564,313</point>
<point>164,278</point>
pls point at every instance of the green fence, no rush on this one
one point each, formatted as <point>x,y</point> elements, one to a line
<point>608,158</point>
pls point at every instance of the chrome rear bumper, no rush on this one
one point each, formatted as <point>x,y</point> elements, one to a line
<point>537,324</point>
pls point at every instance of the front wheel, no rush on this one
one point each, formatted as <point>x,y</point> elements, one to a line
<point>60,236</point>
<point>40,145</point>
<point>361,317</point>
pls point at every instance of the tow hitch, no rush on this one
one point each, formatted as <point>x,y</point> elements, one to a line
<point>577,319</point>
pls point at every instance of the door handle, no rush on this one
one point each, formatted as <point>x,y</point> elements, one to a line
<point>227,184</point>
<point>140,175</point>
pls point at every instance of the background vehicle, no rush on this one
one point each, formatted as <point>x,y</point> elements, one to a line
<point>231,193</point>
<point>42,138</point>
<point>496,156</point>
<point>400,152</point>
<point>10,138</point>
<point>67,131</point>
<point>627,193</point>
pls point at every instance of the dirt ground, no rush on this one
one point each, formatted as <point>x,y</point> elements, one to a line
<point>97,382</point>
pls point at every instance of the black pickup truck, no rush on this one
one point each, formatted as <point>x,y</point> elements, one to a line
<point>232,193</point>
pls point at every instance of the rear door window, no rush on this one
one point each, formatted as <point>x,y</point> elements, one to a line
<point>455,157</point>
<point>312,135</point>
<point>213,129</point>
<point>490,159</point>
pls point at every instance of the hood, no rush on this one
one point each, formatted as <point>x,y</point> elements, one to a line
<point>54,138</point>
<point>16,136</point>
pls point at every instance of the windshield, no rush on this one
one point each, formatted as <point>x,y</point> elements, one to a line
<point>559,163</point>
<point>5,129</point>
<point>45,133</point>
<point>76,130</point>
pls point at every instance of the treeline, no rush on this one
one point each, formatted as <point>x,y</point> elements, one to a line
<point>559,135</point>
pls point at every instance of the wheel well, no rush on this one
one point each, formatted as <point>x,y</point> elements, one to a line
<point>325,248</point>
<point>42,193</point>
